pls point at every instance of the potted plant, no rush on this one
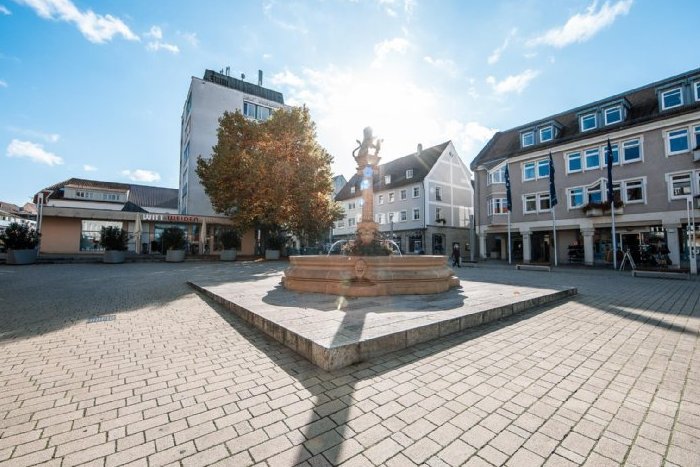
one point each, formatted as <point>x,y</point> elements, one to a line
<point>114,240</point>
<point>231,241</point>
<point>173,239</point>
<point>20,242</point>
<point>274,245</point>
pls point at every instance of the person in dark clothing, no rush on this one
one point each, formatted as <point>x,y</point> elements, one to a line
<point>455,256</point>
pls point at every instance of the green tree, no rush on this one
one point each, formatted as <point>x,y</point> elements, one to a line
<point>271,175</point>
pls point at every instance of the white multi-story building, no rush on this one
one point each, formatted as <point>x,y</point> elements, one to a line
<point>423,201</point>
<point>207,100</point>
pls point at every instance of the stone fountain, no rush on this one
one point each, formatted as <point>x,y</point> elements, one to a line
<point>369,269</point>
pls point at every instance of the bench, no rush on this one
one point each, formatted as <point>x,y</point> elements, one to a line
<point>660,274</point>
<point>532,267</point>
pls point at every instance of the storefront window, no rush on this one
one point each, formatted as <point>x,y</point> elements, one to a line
<point>90,234</point>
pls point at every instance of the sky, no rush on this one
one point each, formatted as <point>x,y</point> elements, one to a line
<point>96,89</point>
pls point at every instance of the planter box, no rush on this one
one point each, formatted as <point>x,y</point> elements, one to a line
<point>272,254</point>
<point>21,256</point>
<point>227,255</point>
<point>114,257</point>
<point>175,256</point>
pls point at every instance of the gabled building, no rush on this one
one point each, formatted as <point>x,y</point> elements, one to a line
<point>654,132</point>
<point>423,201</point>
<point>207,100</point>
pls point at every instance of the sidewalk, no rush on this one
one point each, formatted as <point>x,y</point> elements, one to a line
<point>125,364</point>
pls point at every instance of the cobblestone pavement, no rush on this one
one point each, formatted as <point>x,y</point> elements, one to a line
<point>124,364</point>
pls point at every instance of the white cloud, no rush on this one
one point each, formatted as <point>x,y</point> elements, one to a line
<point>381,50</point>
<point>287,78</point>
<point>48,137</point>
<point>155,32</point>
<point>89,168</point>
<point>33,151</point>
<point>140,175</point>
<point>293,16</point>
<point>583,26</point>
<point>496,54</point>
<point>96,28</point>
<point>512,83</point>
<point>191,38</point>
<point>157,44</point>
<point>444,64</point>
<point>4,10</point>
<point>3,84</point>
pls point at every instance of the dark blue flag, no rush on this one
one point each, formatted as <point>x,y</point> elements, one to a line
<point>609,161</point>
<point>509,197</point>
<point>552,190</point>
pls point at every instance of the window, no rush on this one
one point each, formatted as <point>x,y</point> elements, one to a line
<point>263,113</point>
<point>186,153</point>
<point>391,217</point>
<point>613,115</point>
<point>543,168</point>
<point>391,197</point>
<point>527,138</point>
<point>696,90</point>
<point>496,206</point>
<point>188,104</point>
<point>352,190</point>
<point>575,198</point>
<point>438,193</point>
<point>409,173</point>
<point>351,206</point>
<point>380,199</point>
<point>634,191</point>
<point>631,151</point>
<point>416,192</point>
<point>257,112</point>
<point>594,193</point>
<point>529,171</point>
<point>403,194</point>
<point>416,214</point>
<point>680,186</point>
<point>403,216</point>
<point>340,224</point>
<point>615,154</point>
<point>497,176</point>
<point>543,202</point>
<point>546,134</point>
<point>387,179</point>
<point>351,221</point>
<point>573,162</point>
<point>588,122</point>
<point>438,214</point>
<point>529,204</point>
<point>248,109</point>
<point>672,98</point>
<point>677,141</point>
<point>616,191</point>
<point>696,130</point>
<point>592,159</point>
<point>90,233</point>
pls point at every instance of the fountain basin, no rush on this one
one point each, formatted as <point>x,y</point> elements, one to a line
<point>369,276</point>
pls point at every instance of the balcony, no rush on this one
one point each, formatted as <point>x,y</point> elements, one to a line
<point>603,209</point>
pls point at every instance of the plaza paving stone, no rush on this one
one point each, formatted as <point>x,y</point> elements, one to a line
<point>609,377</point>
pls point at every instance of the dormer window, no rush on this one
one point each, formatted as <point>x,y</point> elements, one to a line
<point>387,179</point>
<point>527,138</point>
<point>671,99</point>
<point>546,134</point>
<point>588,122</point>
<point>613,115</point>
<point>696,90</point>
<point>409,173</point>
<point>352,190</point>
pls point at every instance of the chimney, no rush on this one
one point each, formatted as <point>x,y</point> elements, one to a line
<point>259,77</point>
<point>420,149</point>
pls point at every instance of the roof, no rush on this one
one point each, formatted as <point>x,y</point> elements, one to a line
<point>643,108</point>
<point>243,86</point>
<point>140,196</point>
<point>421,163</point>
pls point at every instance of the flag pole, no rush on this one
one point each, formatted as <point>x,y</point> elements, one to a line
<point>554,228</point>
<point>611,199</point>
<point>614,235</point>
<point>509,244</point>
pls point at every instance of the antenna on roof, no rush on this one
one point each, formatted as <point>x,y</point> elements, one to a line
<point>259,77</point>
<point>228,71</point>
<point>242,76</point>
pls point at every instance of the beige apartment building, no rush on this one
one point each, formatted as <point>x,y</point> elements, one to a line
<point>654,133</point>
